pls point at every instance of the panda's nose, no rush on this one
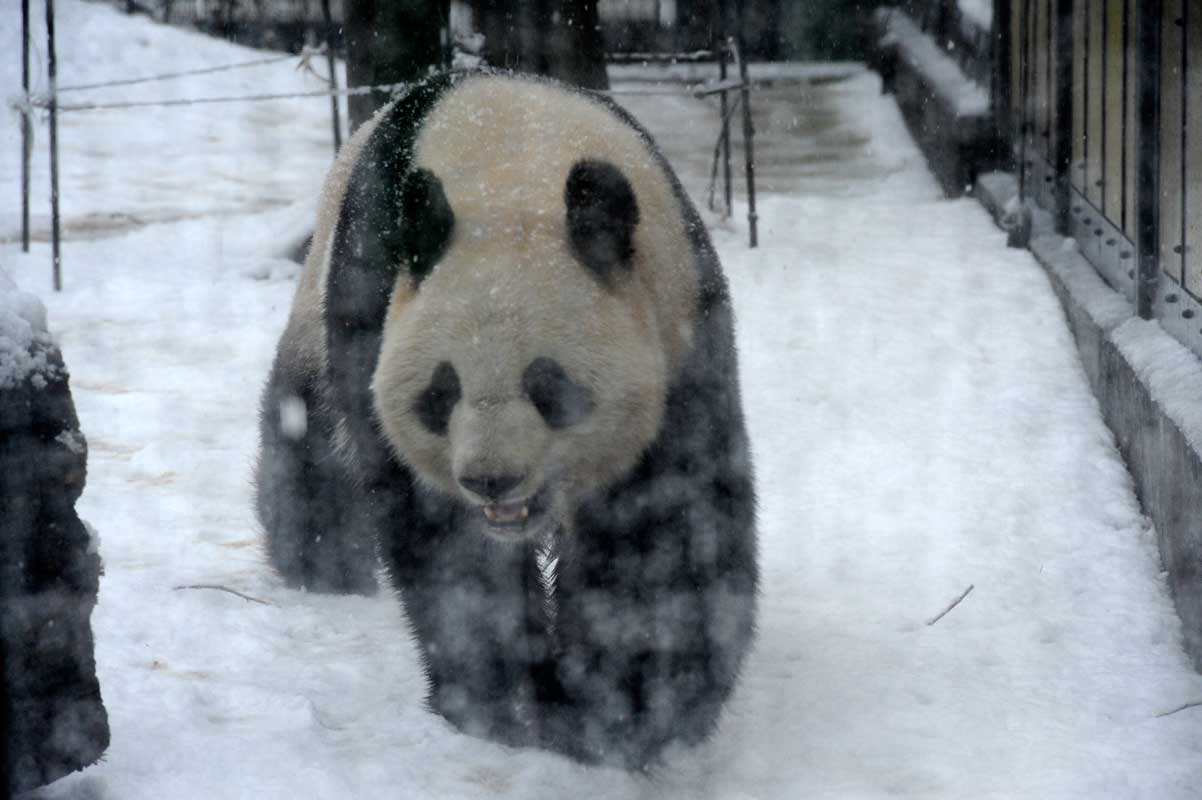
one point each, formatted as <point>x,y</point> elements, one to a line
<point>490,487</point>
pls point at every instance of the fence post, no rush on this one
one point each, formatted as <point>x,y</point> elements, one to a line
<point>26,129</point>
<point>329,20</point>
<point>52,73</point>
<point>1147,26</point>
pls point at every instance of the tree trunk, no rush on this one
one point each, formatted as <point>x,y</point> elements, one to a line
<point>390,41</point>
<point>559,38</point>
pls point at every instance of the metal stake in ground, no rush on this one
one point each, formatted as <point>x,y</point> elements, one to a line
<point>722,55</point>
<point>329,19</point>
<point>26,128</point>
<point>748,136</point>
<point>52,71</point>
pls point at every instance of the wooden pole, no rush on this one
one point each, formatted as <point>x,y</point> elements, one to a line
<point>325,10</point>
<point>52,72</point>
<point>26,128</point>
<point>748,137</point>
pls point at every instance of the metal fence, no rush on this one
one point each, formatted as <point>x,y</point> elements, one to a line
<point>1101,104</point>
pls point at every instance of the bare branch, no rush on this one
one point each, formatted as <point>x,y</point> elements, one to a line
<point>220,588</point>
<point>955,603</point>
<point>1194,704</point>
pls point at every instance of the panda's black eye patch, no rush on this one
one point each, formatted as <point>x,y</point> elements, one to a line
<point>436,402</point>
<point>561,401</point>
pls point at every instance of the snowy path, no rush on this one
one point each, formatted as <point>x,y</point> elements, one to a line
<point>920,421</point>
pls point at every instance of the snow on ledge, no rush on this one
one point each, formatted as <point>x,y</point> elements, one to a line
<point>24,339</point>
<point>923,55</point>
<point>1172,373</point>
<point>1107,308</point>
<point>979,12</point>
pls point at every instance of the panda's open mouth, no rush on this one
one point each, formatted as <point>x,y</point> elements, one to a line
<point>515,516</point>
<point>507,514</point>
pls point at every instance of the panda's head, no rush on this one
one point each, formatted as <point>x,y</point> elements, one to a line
<point>544,295</point>
<point>521,365</point>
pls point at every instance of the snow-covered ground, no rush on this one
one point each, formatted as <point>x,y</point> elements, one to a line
<point>919,417</point>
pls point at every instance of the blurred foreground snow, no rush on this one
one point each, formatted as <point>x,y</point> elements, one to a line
<point>920,421</point>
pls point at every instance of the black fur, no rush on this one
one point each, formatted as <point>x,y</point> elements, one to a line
<point>320,532</point>
<point>435,404</point>
<point>655,591</point>
<point>427,221</point>
<point>602,213</point>
<point>561,401</point>
<point>320,515</point>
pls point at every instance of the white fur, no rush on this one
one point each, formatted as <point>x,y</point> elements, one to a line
<point>508,290</point>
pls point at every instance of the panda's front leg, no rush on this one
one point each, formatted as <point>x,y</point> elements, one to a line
<point>477,611</point>
<point>653,624</point>
<point>318,523</point>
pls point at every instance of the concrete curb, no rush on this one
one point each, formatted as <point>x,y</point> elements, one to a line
<point>1148,386</point>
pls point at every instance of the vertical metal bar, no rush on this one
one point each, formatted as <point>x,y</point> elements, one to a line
<point>1042,123</point>
<point>1062,120</point>
<point>1024,123</point>
<point>1002,57</point>
<point>727,192</point>
<point>1122,220</point>
<point>1131,125</point>
<point>1170,122</point>
<point>1191,274</point>
<point>52,73</point>
<point>26,128</point>
<point>329,21</point>
<point>1147,22</point>
<point>1039,94</point>
<point>1016,77</point>
<point>748,136</point>
<point>1095,124</point>
<point>1184,83</point>
<point>1080,50</point>
<point>1112,189</point>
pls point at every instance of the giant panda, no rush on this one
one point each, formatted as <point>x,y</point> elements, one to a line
<point>510,370</point>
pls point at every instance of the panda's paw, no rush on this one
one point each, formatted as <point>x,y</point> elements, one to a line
<point>328,566</point>
<point>343,582</point>
<point>513,724</point>
<point>567,730</point>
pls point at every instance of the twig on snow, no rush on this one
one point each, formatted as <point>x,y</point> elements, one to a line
<point>1194,704</point>
<point>955,603</point>
<point>218,587</point>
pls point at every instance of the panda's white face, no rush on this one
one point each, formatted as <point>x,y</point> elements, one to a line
<point>515,380</point>
<point>522,371</point>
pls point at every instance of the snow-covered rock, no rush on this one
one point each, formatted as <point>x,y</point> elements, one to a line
<point>24,340</point>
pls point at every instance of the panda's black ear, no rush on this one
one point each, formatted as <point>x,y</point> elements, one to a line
<point>426,221</point>
<point>602,216</point>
